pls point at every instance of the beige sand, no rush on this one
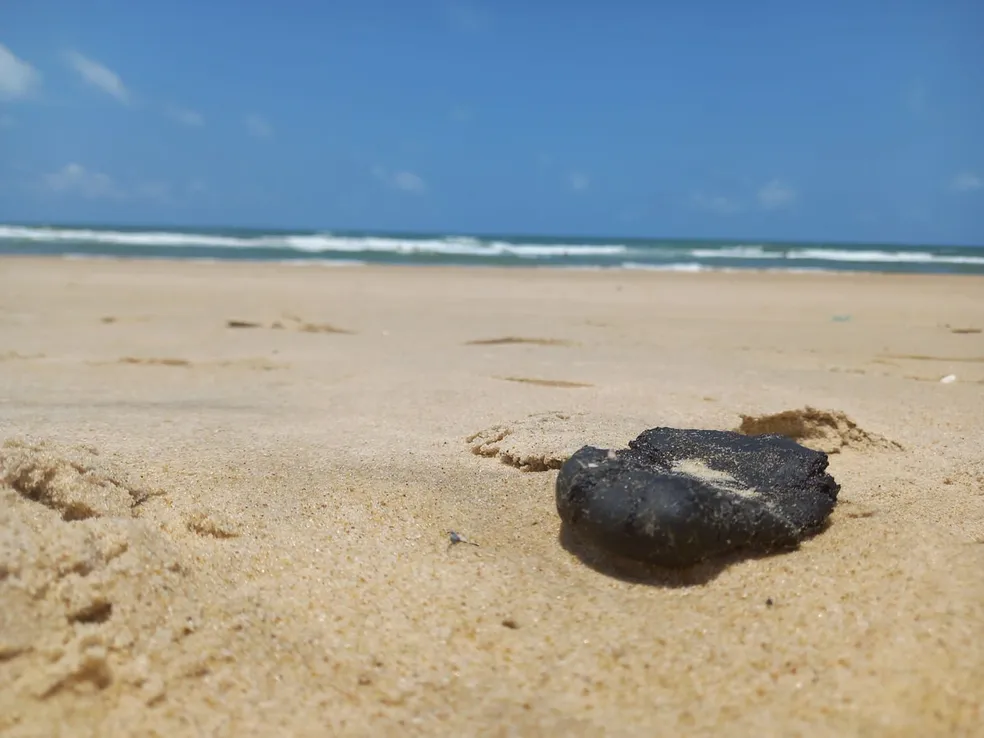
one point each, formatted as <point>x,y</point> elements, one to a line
<point>241,528</point>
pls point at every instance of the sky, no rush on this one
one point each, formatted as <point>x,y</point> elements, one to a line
<point>820,121</point>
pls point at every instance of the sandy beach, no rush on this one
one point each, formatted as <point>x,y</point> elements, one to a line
<point>227,491</point>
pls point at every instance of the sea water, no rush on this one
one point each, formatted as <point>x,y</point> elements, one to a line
<point>359,248</point>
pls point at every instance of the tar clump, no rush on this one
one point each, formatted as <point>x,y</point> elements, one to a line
<point>676,497</point>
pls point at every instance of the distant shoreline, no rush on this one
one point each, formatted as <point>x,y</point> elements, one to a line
<point>358,249</point>
<point>491,270</point>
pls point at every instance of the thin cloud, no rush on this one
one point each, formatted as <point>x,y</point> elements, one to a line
<point>258,126</point>
<point>776,195</point>
<point>916,96</point>
<point>99,76</point>
<point>401,180</point>
<point>157,191</point>
<point>461,114</point>
<point>467,16</point>
<point>187,117</point>
<point>17,77</point>
<point>409,182</point>
<point>74,179</point>
<point>579,181</point>
<point>717,204</point>
<point>966,182</point>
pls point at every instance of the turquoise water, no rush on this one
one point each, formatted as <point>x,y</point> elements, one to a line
<point>356,248</point>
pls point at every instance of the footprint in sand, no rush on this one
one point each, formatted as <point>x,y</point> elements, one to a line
<point>546,382</point>
<point>71,537</point>
<point>211,523</point>
<point>74,483</point>
<point>513,340</point>
<point>289,322</point>
<point>821,430</point>
<point>969,330</point>
<point>111,319</point>
<point>151,361</point>
<point>544,441</point>
<point>257,363</point>
<point>84,545</point>
<point>924,357</point>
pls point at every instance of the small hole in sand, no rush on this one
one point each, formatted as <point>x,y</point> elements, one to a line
<point>98,612</point>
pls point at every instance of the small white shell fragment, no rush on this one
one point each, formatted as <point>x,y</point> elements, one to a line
<point>949,379</point>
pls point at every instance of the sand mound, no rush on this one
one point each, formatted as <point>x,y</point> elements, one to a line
<point>822,430</point>
<point>539,442</point>
<point>544,441</point>
<point>74,554</point>
<point>69,485</point>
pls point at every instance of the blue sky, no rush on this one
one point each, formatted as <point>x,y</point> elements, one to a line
<point>824,121</point>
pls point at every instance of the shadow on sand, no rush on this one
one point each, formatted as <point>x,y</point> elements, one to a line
<point>636,572</point>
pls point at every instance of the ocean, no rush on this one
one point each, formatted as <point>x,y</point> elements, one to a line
<point>360,248</point>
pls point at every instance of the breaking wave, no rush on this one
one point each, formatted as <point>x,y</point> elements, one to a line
<point>375,248</point>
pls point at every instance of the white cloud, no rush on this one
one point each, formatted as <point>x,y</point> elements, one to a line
<point>401,180</point>
<point>776,195</point>
<point>186,117</point>
<point>716,204</point>
<point>579,181</point>
<point>258,126</point>
<point>408,182</point>
<point>966,182</point>
<point>99,76</point>
<point>17,77</point>
<point>74,179</point>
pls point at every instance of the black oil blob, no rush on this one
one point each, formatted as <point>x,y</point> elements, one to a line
<point>676,497</point>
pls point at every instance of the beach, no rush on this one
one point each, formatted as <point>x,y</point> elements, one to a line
<point>230,486</point>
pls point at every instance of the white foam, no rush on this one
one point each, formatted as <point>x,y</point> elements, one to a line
<point>670,258</point>
<point>735,252</point>
<point>682,267</point>
<point>818,254</point>
<point>332,263</point>
<point>311,244</point>
<point>126,238</point>
<point>898,257</point>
